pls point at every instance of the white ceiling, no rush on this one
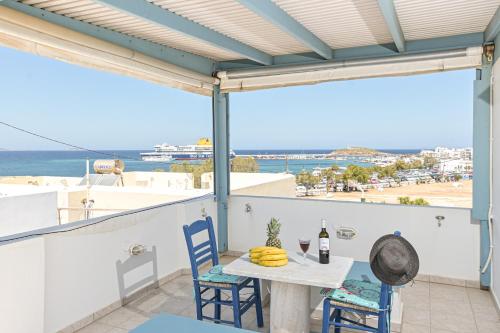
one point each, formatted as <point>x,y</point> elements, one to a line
<point>338,23</point>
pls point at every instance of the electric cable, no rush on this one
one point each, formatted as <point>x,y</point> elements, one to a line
<point>69,144</point>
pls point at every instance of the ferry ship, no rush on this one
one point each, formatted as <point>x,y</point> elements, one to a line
<point>202,150</point>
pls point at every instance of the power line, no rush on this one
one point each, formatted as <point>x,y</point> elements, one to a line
<point>67,144</point>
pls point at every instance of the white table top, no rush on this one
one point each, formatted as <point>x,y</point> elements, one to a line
<point>310,273</point>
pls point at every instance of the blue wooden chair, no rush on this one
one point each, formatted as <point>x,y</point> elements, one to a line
<point>215,280</point>
<point>364,295</point>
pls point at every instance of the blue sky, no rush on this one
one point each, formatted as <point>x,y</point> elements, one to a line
<point>100,110</point>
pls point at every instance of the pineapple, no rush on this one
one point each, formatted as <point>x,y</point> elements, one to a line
<point>273,230</point>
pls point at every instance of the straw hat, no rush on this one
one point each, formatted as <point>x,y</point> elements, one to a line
<point>393,260</point>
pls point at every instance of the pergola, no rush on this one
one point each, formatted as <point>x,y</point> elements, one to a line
<point>221,46</point>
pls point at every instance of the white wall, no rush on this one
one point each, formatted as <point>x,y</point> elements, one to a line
<point>250,183</point>
<point>24,212</point>
<point>75,273</point>
<point>159,180</point>
<point>496,182</point>
<point>22,279</point>
<point>451,250</point>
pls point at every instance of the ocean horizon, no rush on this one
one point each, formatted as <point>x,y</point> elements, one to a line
<point>72,163</point>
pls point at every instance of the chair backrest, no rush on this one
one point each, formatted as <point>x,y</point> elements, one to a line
<point>204,250</point>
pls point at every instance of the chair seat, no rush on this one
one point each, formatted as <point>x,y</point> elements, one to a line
<point>215,277</point>
<point>360,290</point>
<point>362,294</point>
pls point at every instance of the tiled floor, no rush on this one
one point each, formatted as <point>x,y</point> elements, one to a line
<point>428,308</point>
<point>438,308</point>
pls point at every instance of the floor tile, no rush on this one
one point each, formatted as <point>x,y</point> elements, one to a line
<point>428,308</point>
<point>416,315</point>
<point>445,305</point>
<point>96,328</point>
<point>479,297</point>
<point>117,330</point>
<point>132,323</point>
<point>454,322</point>
<point>410,328</point>
<point>451,293</point>
<point>488,327</point>
<point>418,288</point>
<point>120,316</point>
<point>437,330</point>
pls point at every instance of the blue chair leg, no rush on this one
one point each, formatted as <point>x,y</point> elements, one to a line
<point>337,317</point>
<point>258,303</point>
<point>197,297</point>
<point>236,306</point>
<point>217,305</point>
<point>382,322</point>
<point>326,316</point>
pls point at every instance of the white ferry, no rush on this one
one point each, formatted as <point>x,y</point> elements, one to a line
<point>202,150</point>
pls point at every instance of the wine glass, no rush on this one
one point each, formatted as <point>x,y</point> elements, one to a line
<point>304,246</point>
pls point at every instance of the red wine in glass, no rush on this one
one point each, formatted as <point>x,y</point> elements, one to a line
<point>304,246</point>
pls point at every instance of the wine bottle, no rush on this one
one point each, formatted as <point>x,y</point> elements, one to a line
<point>324,244</point>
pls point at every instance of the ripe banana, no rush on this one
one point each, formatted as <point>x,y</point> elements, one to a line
<point>273,263</point>
<point>259,249</point>
<point>255,255</point>
<point>269,257</point>
<point>273,251</point>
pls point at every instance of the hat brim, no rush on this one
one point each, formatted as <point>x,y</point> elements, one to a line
<point>386,276</point>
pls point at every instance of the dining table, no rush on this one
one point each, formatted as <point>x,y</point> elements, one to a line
<point>291,286</point>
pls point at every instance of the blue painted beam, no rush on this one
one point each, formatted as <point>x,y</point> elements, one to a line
<point>493,27</point>
<point>220,114</point>
<point>391,19</point>
<point>277,16</point>
<point>180,58</point>
<point>163,17</point>
<point>371,51</point>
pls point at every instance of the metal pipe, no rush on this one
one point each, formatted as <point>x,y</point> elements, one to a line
<point>490,207</point>
<point>292,69</point>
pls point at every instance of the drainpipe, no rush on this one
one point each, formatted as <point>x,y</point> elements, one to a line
<point>220,114</point>
<point>482,166</point>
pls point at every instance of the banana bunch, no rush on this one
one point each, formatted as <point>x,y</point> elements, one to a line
<point>268,256</point>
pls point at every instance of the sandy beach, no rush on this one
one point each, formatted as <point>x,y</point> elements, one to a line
<point>453,194</point>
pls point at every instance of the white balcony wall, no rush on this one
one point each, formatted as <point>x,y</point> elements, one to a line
<point>22,211</point>
<point>68,276</point>
<point>450,250</point>
<point>22,280</point>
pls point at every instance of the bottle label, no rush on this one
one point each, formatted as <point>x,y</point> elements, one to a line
<point>324,244</point>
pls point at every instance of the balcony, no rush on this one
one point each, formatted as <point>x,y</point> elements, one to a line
<point>428,307</point>
<point>81,277</point>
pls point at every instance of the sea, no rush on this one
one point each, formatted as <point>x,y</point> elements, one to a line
<point>72,163</point>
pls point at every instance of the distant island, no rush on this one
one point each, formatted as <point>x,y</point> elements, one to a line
<point>356,151</point>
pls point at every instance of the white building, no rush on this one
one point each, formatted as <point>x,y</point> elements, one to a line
<point>455,166</point>
<point>449,153</point>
